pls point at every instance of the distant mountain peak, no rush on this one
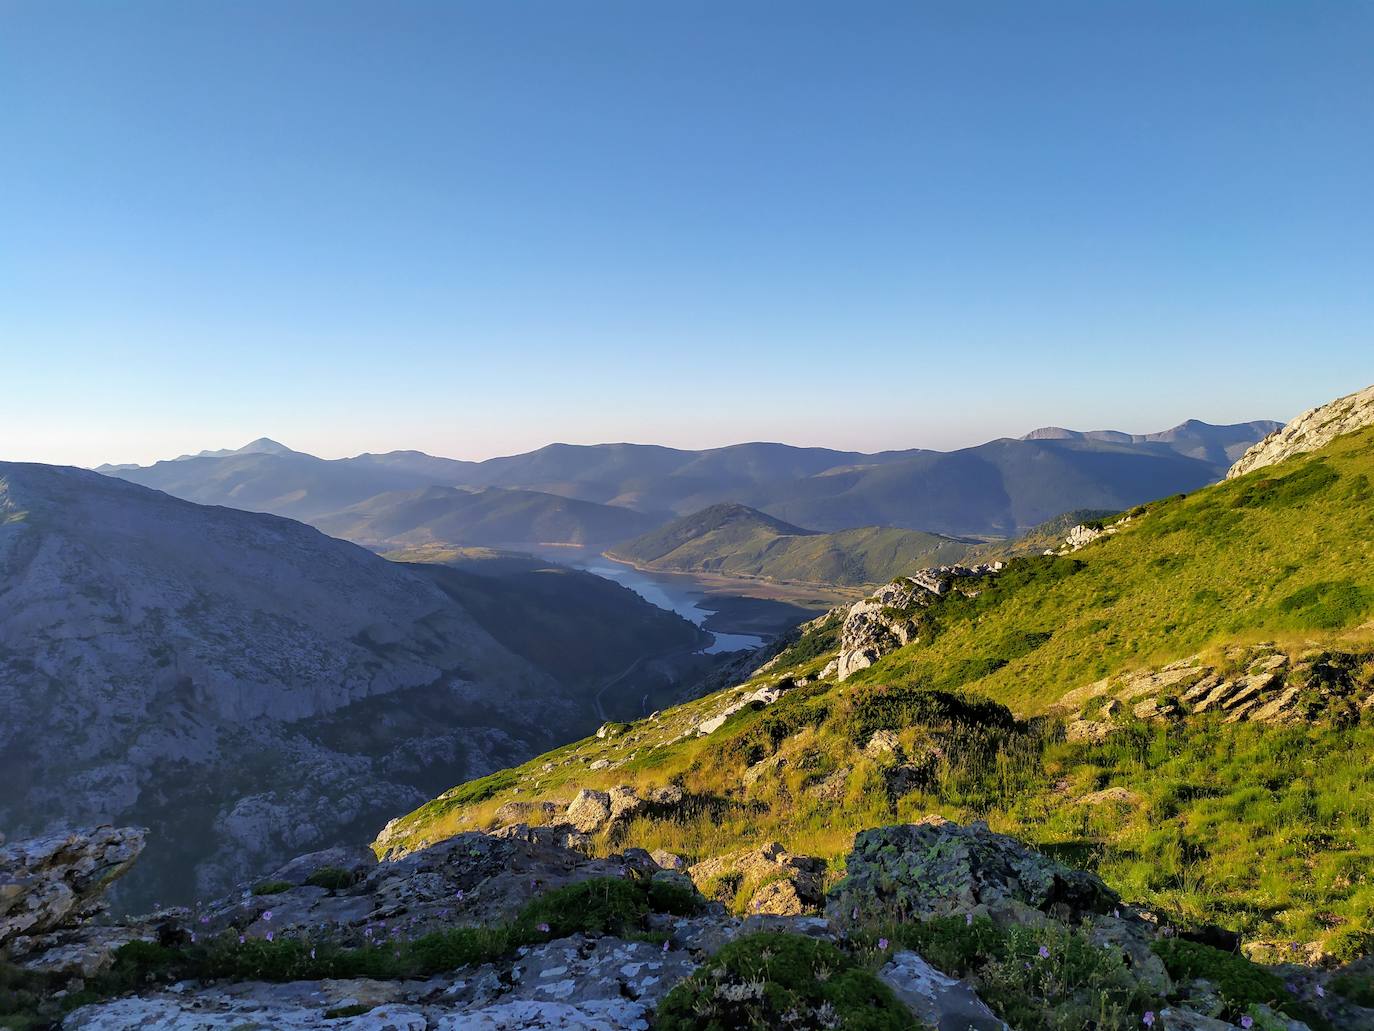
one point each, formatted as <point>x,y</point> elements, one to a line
<point>264,446</point>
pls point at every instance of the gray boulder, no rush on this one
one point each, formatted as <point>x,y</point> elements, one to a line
<point>937,868</point>
<point>939,1001</point>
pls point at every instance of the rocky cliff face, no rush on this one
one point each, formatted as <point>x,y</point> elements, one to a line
<point>1309,431</point>
<point>243,685</point>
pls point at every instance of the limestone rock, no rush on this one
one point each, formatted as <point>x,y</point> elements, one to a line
<point>589,810</point>
<point>1309,431</point>
<point>1175,1018</point>
<point>668,860</point>
<point>939,1001</point>
<point>884,621</point>
<point>358,860</point>
<point>1081,536</point>
<point>883,743</point>
<point>56,880</point>
<point>755,871</point>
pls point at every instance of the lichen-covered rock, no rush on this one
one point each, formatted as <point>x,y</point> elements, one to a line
<point>937,868</point>
<point>589,810</point>
<point>57,880</point>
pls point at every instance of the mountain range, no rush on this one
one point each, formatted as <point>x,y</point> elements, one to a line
<point>995,489</point>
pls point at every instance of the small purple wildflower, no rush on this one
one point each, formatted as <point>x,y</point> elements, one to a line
<point>542,928</point>
<point>240,939</point>
<point>1247,1022</point>
<point>882,944</point>
<point>460,894</point>
<point>855,914</point>
<point>1321,992</point>
<point>205,920</point>
<point>666,943</point>
<point>193,937</point>
<point>269,935</point>
<point>1044,952</point>
<point>1149,1019</point>
<point>267,915</point>
<point>968,919</point>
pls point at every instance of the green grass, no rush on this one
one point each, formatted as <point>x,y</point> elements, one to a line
<point>1283,555</point>
<point>1281,552</point>
<point>739,541</point>
<point>767,981</point>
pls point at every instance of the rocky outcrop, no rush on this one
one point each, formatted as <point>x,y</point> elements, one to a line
<point>885,620</point>
<point>741,700</point>
<point>936,868</point>
<point>1309,431</point>
<point>1251,683</point>
<point>769,880</point>
<point>56,881</point>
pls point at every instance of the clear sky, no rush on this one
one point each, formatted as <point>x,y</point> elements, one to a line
<point>475,228</point>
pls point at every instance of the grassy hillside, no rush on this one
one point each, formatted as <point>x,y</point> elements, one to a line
<point>1171,813</point>
<point>491,516</point>
<point>739,541</point>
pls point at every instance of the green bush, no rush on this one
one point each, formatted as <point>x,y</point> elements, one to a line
<point>1240,982</point>
<point>272,887</point>
<point>332,877</point>
<point>953,944</point>
<point>769,981</point>
<point>604,906</point>
<point>895,706</point>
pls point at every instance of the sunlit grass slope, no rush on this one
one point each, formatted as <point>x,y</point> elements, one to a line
<point>1265,828</point>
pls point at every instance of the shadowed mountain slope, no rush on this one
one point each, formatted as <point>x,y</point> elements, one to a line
<point>214,674</point>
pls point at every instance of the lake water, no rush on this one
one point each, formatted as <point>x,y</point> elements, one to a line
<point>678,594</point>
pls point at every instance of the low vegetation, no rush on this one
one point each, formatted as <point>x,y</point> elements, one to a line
<point>1171,814</point>
<point>767,981</point>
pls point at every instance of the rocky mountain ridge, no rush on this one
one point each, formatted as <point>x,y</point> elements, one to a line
<point>1309,431</point>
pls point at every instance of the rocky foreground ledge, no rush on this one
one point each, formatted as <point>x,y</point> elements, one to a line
<point>935,925</point>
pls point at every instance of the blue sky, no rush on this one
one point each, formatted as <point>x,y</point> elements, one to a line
<point>474,228</point>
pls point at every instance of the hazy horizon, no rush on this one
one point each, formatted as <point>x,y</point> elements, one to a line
<point>327,454</point>
<point>472,229</point>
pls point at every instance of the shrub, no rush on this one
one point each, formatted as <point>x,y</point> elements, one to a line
<point>332,877</point>
<point>1240,982</point>
<point>272,887</point>
<point>604,906</point>
<point>768,981</point>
